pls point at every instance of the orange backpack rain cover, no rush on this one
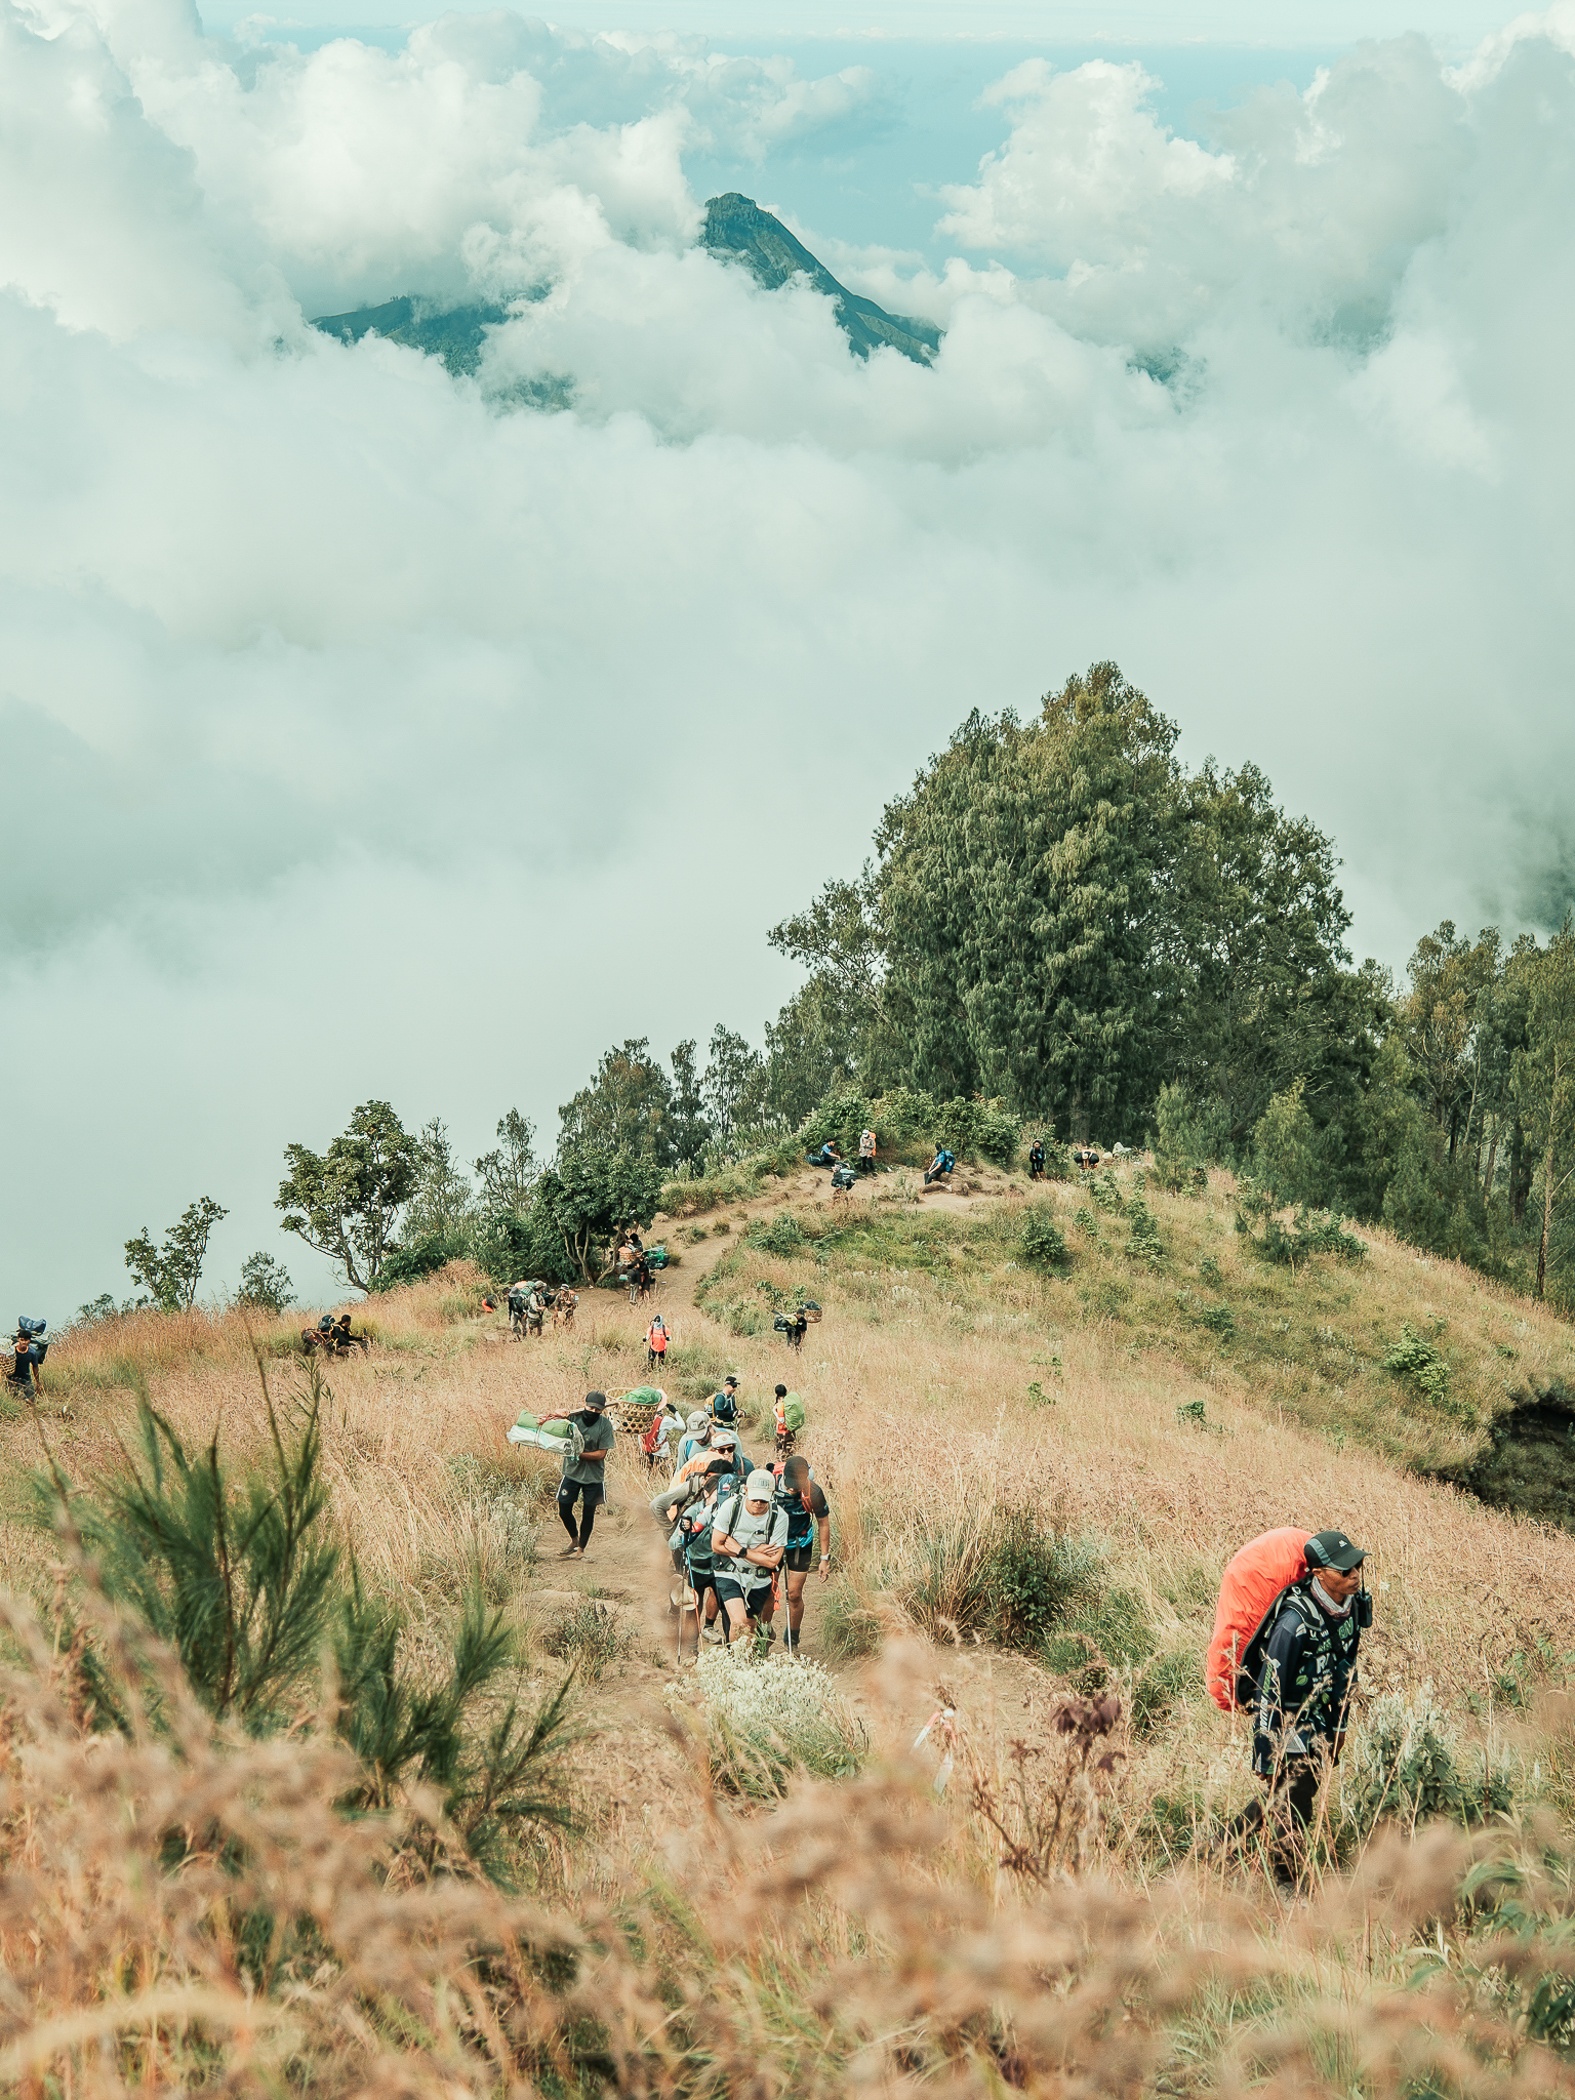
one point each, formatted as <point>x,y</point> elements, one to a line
<point>1249,1586</point>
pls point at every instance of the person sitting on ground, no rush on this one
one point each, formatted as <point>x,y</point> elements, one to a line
<point>866,1151</point>
<point>940,1166</point>
<point>28,1350</point>
<point>748,1543</point>
<point>656,1341</point>
<point>808,1511</point>
<point>828,1155</point>
<point>724,1405</point>
<point>1304,1692</point>
<point>1036,1160</point>
<point>584,1473</point>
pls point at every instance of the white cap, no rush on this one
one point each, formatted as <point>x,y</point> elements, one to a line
<point>760,1486</point>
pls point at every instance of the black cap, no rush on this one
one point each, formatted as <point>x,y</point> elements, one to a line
<point>730,1379</point>
<point>1332,1549</point>
<point>596,1400</point>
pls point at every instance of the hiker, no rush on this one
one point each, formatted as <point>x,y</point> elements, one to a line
<point>940,1166</point>
<point>789,1412</point>
<point>724,1405</point>
<point>723,1443</point>
<point>697,1435</point>
<point>1036,1160</point>
<point>793,1327</point>
<point>656,1340</point>
<point>584,1472</point>
<point>827,1156</point>
<point>748,1542</point>
<point>28,1350</point>
<point>1304,1690</point>
<point>808,1512</point>
<point>866,1151</point>
<point>843,1179</point>
<point>697,1524</point>
<point>656,1443</point>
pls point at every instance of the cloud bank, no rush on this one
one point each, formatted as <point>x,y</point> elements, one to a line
<point>373,732</point>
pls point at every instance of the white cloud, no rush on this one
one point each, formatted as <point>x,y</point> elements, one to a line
<point>377,736</point>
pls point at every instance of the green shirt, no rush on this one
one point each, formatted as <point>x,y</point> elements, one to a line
<point>601,1436</point>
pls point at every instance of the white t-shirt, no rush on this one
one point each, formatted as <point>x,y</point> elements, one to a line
<point>738,1521</point>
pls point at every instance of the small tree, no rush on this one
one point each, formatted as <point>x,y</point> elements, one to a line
<point>265,1284</point>
<point>508,1174</point>
<point>346,1202</point>
<point>171,1272</point>
<point>688,1125</point>
<point>440,1204</point>
<point>732,1070</point>
<point>1544,1076</point>
<point>589,1193</point>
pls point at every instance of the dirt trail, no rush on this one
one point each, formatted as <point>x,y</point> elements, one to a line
<point>627,1563</point>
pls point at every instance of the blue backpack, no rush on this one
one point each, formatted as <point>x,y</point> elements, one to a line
<point>945,1161</point>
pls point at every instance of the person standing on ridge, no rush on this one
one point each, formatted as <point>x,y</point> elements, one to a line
<point>1036,1160</point>
<point>28,1350</point>
<point>584,1472</point>
<point>724,1405</point>
<point>1304,1692</point>
<point>866,1151</point>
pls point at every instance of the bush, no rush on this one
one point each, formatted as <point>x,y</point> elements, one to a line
<point>768,1721</point>
<point>1404,1764</point>
<point>240,1577</point>
<point>1165,1683</point>
<point>849,1629</point>
<point>423,1257</point>
<point>782,1236</point>
<point>1414,1357</point>
<point>591,1637</point>
<point>1033,1576</point>
<point>1041,1243</point>
<point>1189,1137</point>
<point>1143,1241</point>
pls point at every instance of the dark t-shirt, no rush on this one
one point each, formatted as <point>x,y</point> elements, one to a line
<point>601,1436</point>
<point>802,1521</point>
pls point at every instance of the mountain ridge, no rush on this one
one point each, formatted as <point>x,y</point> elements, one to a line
<point>736,230</point>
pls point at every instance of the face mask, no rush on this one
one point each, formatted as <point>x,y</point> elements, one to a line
<point>587,1416</point>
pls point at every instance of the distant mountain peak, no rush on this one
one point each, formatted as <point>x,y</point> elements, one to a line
<point>737,228</point>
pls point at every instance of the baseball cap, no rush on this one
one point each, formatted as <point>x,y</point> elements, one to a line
<point>1332,1549</point>
<point>730,1379</point>
<point>723,1436</point>
<point>760,1487</point>
<point>596,1401</point>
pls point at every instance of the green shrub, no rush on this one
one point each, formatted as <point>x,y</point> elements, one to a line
<point>782,1236</point>
<point>1163,1684</point>
<point>1106,1192</point>
<point>423,1257</point>
<point>1415,1358</point>
<point>767,1721</point>
<point>1404,1764</point>
<point>1031,1577</point>
<point>1218,1319</point>
<point>591,1637</point>
<point>848,1628</point>
<point>1041,1243</point>
<point>1143,1241</point>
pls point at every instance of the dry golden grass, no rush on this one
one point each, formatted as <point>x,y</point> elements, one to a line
<point>881,1945</point>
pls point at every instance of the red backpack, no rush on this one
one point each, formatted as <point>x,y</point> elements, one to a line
<point>1253,1582</point>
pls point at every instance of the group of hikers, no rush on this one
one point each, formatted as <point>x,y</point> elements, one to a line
<point>844,1171</point>
<point>743,1537</point>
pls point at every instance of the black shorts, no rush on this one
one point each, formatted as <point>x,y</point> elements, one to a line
<point>798,1560</point>
<point>701,1580</point>
<point>569,1492</point>
<point>754,1599</point>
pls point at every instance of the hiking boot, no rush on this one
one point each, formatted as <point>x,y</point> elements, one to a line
<point>711,1633</point>
<point>571,1553</point>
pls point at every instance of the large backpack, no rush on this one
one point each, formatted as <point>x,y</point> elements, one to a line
<point>945,1161</point>
<point>801,1518</point>
<point>724,1410</point>
<point>1254,1581</point>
